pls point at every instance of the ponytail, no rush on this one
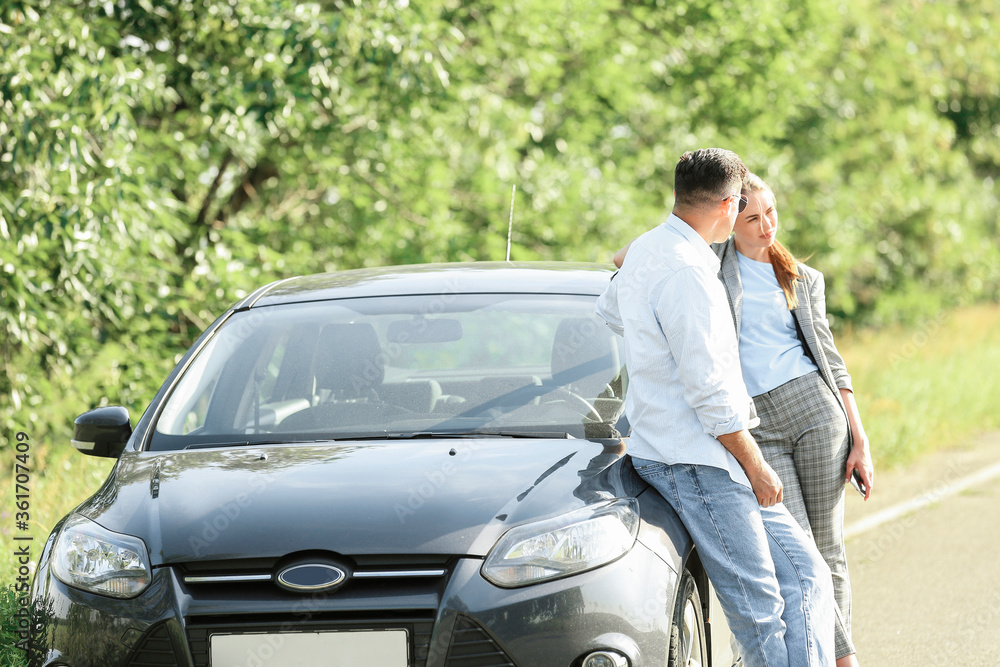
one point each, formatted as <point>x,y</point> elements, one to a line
<point>784,265</point>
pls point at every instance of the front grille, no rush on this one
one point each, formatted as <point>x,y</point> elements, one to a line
<point>368,575</point>
<point>418,624</point>
<point>471,646</point>
<point>154,649</point>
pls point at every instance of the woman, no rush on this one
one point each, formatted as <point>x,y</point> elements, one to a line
<point>810,430</point>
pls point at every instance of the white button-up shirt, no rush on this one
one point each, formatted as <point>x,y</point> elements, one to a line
<point>685,385</point>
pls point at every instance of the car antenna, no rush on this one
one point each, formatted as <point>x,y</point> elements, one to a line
<point>510,222</point>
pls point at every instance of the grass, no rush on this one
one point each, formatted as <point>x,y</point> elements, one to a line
<point>929,386</point>
<point>919,388</point>
<point>10,655</point>
<point>60,479</point>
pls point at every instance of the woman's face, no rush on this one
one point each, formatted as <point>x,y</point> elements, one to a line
<point>757,225</point>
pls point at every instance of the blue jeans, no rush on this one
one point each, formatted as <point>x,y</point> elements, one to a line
<point>773,584</point>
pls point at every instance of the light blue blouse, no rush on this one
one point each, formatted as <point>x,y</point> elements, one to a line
<point>771,353</point>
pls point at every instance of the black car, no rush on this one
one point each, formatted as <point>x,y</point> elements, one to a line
<point>415,466</point>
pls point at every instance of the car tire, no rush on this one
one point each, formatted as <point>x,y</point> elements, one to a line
<point>687,628</point>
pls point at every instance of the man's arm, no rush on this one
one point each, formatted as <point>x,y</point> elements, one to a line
<point>765,482</point>
<point>698,325</point>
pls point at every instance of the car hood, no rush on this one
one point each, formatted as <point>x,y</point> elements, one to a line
<point>448,496</point>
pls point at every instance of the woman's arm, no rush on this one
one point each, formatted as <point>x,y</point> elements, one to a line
<point>824,337</point>
<point>860,458</point>
<point>619,257</point>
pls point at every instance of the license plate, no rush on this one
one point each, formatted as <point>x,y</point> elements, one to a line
<point>386,648</point>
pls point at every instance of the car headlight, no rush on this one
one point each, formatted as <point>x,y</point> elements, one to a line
<point>568,544</point>
<point>90,557</point>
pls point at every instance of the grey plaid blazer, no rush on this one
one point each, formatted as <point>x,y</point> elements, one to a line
<point>810,316</point>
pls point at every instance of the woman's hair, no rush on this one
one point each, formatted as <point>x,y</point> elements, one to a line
<point>783,262</point>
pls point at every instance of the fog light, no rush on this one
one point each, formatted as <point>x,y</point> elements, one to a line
<point>605,659</point>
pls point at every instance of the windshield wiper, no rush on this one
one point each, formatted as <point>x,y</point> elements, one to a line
<point>395,436</point>
<point>431,435</point>
<point>251,443</point>
<point>560,435</point>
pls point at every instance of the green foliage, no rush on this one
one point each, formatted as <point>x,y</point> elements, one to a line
<point>10,655</point>
<point>891,203</point>
<point>161,158</point>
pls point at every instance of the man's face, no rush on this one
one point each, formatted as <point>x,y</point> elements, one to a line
<point>725,227</point>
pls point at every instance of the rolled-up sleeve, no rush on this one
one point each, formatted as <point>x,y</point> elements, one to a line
<point>694,316</point>
<point>608,310</point>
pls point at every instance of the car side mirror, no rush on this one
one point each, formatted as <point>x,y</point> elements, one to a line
<point>102,431</point>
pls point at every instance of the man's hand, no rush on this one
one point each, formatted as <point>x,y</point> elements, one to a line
<point>765,482</point>
<point>766,485</point>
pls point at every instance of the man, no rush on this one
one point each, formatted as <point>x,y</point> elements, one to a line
<point>691,414</point>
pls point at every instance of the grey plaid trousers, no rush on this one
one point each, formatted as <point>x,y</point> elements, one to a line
<point>803,435</point>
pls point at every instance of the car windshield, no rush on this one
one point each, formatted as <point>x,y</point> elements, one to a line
<point>400,366</point>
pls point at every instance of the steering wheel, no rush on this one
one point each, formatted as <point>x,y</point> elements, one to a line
<point>582,405</point>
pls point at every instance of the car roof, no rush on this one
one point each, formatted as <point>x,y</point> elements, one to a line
<point>459,278</point>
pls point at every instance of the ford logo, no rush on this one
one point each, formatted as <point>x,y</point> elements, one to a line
<point>311,577</point>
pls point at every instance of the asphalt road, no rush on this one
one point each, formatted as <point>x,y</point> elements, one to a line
<point>926,581</point>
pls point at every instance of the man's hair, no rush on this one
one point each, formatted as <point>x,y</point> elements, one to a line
<point>707,176</point>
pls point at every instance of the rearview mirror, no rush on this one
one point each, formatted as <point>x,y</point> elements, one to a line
<point>422,330</point>
<point>102,432</point>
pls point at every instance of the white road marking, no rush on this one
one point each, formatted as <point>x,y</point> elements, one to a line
<point>920,502</point>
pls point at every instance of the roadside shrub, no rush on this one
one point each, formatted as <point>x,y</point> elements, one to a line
<point>10,654</point>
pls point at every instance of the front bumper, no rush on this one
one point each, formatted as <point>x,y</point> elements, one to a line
<point>456,620</point>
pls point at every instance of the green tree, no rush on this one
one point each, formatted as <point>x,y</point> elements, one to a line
<point>161,158</point>
<point>157,158</point>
